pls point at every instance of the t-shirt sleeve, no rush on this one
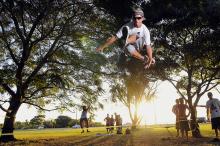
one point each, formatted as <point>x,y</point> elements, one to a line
<point>147,36</point>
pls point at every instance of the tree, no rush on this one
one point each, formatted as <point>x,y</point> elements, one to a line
<point>43,57</point>
<point>186,38</point>
<point>37,121</point>
<point>49,124</point>
<point>63,121</point>
<point>188,50</point>
<point>132,88</point>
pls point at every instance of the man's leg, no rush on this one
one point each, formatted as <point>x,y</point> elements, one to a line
<point>187,137</point>
<point>177,128</point>
<point>134,53</point>
<point>81,125</point>
<point>87,124</point>
<point>182,133</point>
<point>216,133</point>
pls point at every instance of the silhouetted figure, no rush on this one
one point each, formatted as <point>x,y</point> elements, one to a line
<point>84,119</point>
<point>184,124</point>
<point>118,121</point>
<point>112,123</point>
<point>107,120</point>
<point>175,111</point>
<point>213,108</point>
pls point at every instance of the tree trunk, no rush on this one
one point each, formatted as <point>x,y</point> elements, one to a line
<point>193,123</point>
<point>8,126</point>
<point>135,120</point>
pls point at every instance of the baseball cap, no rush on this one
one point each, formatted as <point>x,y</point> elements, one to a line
<point>138,12</point>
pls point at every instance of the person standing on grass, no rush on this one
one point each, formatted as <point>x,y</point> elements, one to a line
<point>119,124</point>
<point>183,122</point>
<point>107,120</point>
<point>84,119</point>
<point>176,112</point>
<point>112,123</point>
<point>213,109</point>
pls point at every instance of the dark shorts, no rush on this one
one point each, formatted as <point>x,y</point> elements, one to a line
<point>184,125</point>
<point>83,119</point>
<point>215,123</point>
<point>177,125</point>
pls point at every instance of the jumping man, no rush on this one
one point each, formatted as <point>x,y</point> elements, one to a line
<point>136,37</point>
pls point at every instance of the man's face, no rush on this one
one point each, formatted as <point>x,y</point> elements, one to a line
<point>138,21</point>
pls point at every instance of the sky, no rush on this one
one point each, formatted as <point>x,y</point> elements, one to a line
<point>157,111</point>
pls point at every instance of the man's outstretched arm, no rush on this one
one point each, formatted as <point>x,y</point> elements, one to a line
<point>108,42</point>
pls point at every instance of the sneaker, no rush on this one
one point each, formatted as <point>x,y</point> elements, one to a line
<point>125,35</point>
<point>88,130</point>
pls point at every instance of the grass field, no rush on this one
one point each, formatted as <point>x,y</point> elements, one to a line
<point>145,136</point>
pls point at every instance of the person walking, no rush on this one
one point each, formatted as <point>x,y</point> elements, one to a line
<point>213,112</point>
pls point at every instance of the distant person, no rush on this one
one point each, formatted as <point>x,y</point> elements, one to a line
<point>213,108</point>
<point>118,120</point>
<point>112,123</point>
<point>184,124</point>
<point>176,112</point>
<point>107,120</point>
<point>127,131</point>
<point>84,119</point>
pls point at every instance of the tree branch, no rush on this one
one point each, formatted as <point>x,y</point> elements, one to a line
<point>7,44</point>
<point>41,108</point>
<point>7,88</point>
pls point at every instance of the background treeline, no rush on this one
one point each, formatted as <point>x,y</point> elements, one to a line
<point>39,122</point>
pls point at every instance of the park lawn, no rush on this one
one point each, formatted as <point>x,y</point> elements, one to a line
<point>145,136</point>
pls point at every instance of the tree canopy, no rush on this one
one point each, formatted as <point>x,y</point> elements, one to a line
<point>47,55</point>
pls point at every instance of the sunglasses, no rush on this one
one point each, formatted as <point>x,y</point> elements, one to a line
<point>138,18</point>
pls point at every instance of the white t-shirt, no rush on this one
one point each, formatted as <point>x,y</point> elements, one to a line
<point>214,106</point>
<point>141,32</point>
<point>84,115</point>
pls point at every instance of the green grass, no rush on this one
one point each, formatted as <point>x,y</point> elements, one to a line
<point>54,133</point>
<point>157,135</point>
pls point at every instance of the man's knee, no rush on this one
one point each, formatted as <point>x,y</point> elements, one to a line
<point>131,49</point>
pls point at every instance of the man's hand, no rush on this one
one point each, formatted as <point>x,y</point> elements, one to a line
<point>149,62</point>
